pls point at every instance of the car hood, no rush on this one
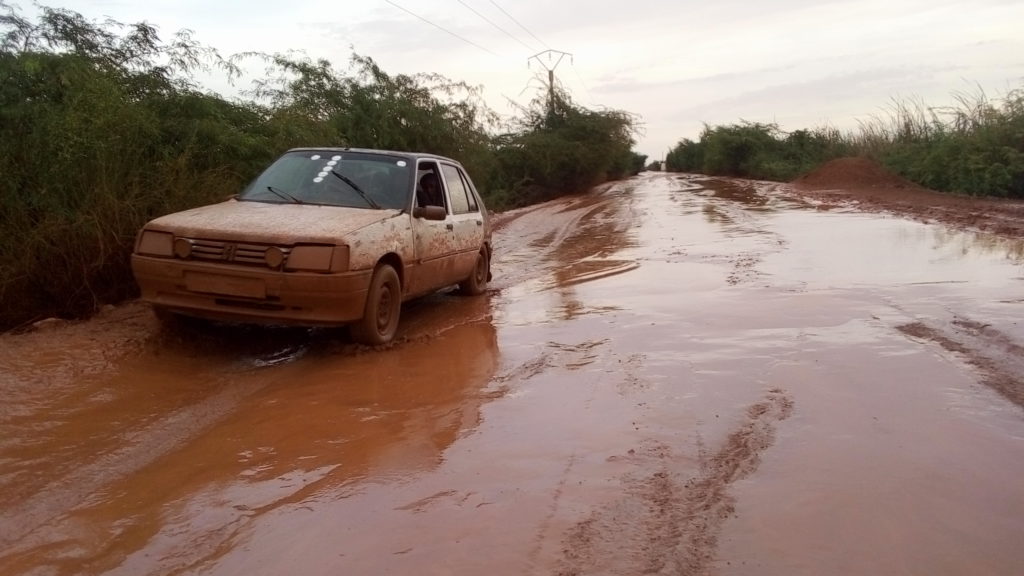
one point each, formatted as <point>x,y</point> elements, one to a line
<point>271,223</point>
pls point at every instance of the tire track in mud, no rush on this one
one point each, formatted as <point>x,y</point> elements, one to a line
<point>570,357</point>
<point>1001,366</point>
<point>584,225</point>
<point>739,208</point>
<point>666,523</point>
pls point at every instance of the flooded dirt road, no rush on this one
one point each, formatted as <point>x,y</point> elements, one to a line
<point>672,375</point>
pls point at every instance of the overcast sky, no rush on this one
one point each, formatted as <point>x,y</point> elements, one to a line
<point>676,64</point>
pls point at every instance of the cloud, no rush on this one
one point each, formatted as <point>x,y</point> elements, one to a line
<point>630,84</point>
<point>801,62</point>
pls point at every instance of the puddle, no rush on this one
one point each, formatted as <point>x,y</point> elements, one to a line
<point>673,375</point>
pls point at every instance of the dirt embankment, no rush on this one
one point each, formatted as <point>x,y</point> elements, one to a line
<point>873,188</point>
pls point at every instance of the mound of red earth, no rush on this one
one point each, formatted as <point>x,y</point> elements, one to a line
<point>873,188</point>
<point>853,172</point>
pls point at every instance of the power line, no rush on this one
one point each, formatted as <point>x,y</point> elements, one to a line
<point>585,87</point>
<point>443,29</point>
<point>520,25</point>
<point>489,21</point>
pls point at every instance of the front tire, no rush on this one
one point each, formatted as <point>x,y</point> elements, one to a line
<point>383,307</point>
<point>477,281</point>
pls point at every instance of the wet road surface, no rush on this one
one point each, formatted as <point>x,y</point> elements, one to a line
<point>672,375</point>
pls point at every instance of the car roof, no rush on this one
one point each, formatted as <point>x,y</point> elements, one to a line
<point>408,155</point>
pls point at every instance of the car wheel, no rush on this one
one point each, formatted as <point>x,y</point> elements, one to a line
<point>477,281</point>
<point>383,307</point>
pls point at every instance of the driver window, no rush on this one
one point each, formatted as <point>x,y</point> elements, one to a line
<point>429,186</point>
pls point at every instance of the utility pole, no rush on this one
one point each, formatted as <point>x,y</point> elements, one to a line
<point>550,65</point>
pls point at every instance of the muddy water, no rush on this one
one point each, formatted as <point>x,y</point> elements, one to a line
<point>672,375</point>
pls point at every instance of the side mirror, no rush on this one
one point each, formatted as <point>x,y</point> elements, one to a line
<point>430,212</point>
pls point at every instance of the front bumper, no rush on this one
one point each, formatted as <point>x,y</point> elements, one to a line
<point>248,294</point>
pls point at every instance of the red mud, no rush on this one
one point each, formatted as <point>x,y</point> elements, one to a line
<point>864,182</point>
<point>670,375</point>
<point>854,172</point>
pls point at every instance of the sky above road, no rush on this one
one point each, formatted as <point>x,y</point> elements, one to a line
<point>676,64</point>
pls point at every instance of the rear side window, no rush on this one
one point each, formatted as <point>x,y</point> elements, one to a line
<point>462,199</point>
<point>470,193</point>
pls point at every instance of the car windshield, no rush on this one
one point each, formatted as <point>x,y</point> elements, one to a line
<point>334,178</point>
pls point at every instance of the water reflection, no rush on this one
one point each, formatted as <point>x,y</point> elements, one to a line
<point>740,192</point>
<point>715,215</point>
<point>308,426</point>
<point>965,243</point>
<point>736,207</point>
<point>842,250</point>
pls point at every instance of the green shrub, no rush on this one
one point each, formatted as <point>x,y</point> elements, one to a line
<point>754,150</point>
<point>975,148</point>
<point>95,139</point>
<point>561,150</point>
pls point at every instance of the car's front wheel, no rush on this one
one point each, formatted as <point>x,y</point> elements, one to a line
<point>383,307</point>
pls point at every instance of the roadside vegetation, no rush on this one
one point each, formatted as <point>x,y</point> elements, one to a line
<point>104,126</point>
<point>974,148</point>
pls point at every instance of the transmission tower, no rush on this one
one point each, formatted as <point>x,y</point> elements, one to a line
<point>554,58</point>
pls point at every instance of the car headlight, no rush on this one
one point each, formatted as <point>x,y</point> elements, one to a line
<point>153,243</point>
<point>339,261</point>
<point>312,258</point>
<point>183,248</point>
<point>274,257</point>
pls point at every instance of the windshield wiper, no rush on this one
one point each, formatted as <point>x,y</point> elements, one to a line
<point>356,187</point>
<point>284,195</point>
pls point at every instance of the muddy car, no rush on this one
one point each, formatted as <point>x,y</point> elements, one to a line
<point>324,236</point>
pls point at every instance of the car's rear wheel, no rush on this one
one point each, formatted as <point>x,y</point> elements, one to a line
<point>383,307</point>
<point>477,281</point>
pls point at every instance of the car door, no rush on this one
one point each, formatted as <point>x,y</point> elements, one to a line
<point>434,244</point>
<point>467,221</point>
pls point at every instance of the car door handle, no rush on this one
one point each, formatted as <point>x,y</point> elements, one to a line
<point>450,226</point>
<point>479,222</point>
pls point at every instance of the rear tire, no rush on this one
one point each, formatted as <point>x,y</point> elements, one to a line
<point>477,281</point>
<point>383,307</point>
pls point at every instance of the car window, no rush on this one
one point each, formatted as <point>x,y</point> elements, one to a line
<point>334,178</point>
<point>474,206</point>
<point>456,189</point>
<point>429,187</point>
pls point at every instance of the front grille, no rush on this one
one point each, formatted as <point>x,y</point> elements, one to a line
<point>233,252</point>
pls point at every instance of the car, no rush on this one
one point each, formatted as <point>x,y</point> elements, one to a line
<point>323,237</point>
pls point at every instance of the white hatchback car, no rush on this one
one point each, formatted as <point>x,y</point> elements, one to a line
<point>324,236</point>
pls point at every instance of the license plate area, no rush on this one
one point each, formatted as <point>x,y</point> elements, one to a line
<point>225,285</point>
